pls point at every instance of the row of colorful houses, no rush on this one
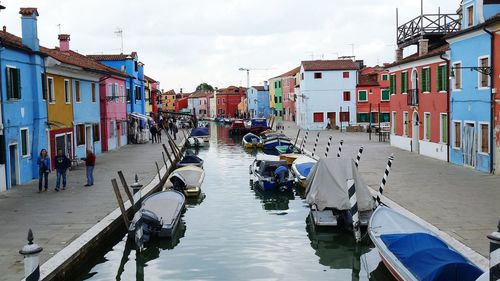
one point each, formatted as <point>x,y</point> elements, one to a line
<point>59,99</point>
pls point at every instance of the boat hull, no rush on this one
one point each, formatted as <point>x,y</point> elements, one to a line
<point>273,143</point>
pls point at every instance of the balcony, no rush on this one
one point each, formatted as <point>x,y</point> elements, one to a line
<point>412,97</point>
<point>429,26</point>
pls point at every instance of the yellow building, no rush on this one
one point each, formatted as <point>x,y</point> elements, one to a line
<point>168,100</point>
<point>147,97</point>
<point>272,93</point>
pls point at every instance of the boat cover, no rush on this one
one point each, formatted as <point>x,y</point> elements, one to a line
<point>259,123</point>
<point>191,159</point>
<point>429,258</point>
<point>304,168</point>
<point>192,176</point>
<point>326,185</point>
<point>268,168</point>
<point>199,132</point>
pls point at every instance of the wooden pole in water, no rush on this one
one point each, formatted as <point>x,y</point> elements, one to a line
<point>358,157</point>
<point>328,146</point>
<point>120,202</point>
<point>172,147</point>
<point>384,179</point>
<point>353,200</point>
<point>125,187</point>
<point>315,144</point>
<point>303,146</point>
<point>163,156</point>
<point>168,153</point>
<point>340,148</point>
<point>296,138</point>
<point>158,170</point>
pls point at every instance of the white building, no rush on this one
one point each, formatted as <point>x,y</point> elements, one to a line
<point>327,94</point>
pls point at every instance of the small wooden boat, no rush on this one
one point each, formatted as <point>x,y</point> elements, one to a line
<point>238,127</point>
<point>272,140</point>
<point>271,173</point>
<point>158,216</point>
<point>187,180</point>
<point>250,141</point>
<point>201,133</point>
<point>301,168</point>
<point>290,157</point>
<point>413,252</point>
<point>190,160</point>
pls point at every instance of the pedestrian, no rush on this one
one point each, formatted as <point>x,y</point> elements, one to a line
<point>62,163</point>
<point>153,132</point>
<point>43,170</point>
<point>158,133</point>
<point>175,130</point>
<point>90,164</point>
<point>170,126</point>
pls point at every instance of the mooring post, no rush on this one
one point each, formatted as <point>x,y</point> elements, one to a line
<point>168,153</point>
<point>164,161</point>
<point>136,189</point>
<point>158,170</point>
<point>353,200</point>
<point>296,139</point>
<point>31,260</point>
<point>315,144</point>
<point>327,150</point>
<point>384,179</point>
<point>358,157</point>
<point>176,157</point>
<point>495,254</point>
<point>304,141</point>
<point>120,202</point>
<point>125,187</point>
<point>340,148</point>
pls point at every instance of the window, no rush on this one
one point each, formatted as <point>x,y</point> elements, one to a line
<point>25,147</point>
<point>112,128</point>
<point>392,84</point>
<point>218,101</point>
<point>457,137</point>
<point>405,123</point>
<point>13,83</point>
<point>427,126</point>
<point>275,99</point>
<point>44,87</point>
<point>77,91</point>
<point>124,128</point>
<point>484,139</point>
<point>344,117</point>
<point>302,76</point>
<point>393,122</point>
<point>50,88</point>
<point>457,70</point>
<point>318,117</point>
<point>404,82</point>
<point>347,96</point>
<point>484,79</point>
<point>345,74</point>
<point>362,95</point>
<point>80,134</point>
<point>150,100</point>
<point>93,93</point>
<point>385,95</point>
<point>136,66</point>
<point>385,77</point>
<point>138,93</point>
<point>363,117</point>
<point>441,78</point>
<point>66,91</point>
<point>114,91</point>
<point>470,16</point>
<point>318,75</point>
<point>425,79</point>
<point>444,128</point>
<point>96,132</point>
<point>385,117</point>
<point>129,95</point>
<point>122,93</point>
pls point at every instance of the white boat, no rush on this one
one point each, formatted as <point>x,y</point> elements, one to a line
<point>187,180</point>
<point>197,142</point>
<point>327,193</point>
<point>413,252</point>
<point>301,168</point>
<point>251,140</point>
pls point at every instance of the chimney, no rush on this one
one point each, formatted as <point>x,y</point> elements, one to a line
<point>29,28</point>
<point>63,42</point>
<point>423,47</point>
<point>266,86</point>
<point>399,54</point>
<point>4,28</point>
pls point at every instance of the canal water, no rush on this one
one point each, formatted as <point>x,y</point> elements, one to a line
<point>237,232</point>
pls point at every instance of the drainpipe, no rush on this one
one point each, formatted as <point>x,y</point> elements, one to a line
<point>492,97</point>
<point>448,93</point>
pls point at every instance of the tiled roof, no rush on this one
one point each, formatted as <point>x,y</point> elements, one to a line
<point>198,94</point>
<point>169,92</point>
<point>151,80</point>
<point>288,73</point>
<point>259,88</point>
<point>11,40</point>
<point>436,51</point>
<point>113,57</point>
<point>330,65</point>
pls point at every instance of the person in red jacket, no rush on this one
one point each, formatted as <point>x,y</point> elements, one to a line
<point>90,163</point>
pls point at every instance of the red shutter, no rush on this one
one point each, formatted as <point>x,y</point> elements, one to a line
<point>318,117</point>
<point>345,74</point>
<point>347,96</point>
<point>344,116</point>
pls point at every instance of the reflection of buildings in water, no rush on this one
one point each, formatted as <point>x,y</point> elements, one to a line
<point>214,131</point>
<point>225,137</point>
<point>372,267</point>
<point>272,201</point>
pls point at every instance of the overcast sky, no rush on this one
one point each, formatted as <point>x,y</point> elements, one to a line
<point>186,42</point>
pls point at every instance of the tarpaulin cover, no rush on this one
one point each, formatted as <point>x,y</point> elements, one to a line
<point>327,185</point>
<point>199,132</point>
<point>304,168</point>
<point>429,258</point>
<point>259,123</point>
<point>191,159</point>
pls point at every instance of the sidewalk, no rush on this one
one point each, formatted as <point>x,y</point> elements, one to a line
<point>459,201</point>
<point>57,218</point>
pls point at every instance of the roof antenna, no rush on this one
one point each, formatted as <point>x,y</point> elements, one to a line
<point>59,27</point>
<point>119,33</point>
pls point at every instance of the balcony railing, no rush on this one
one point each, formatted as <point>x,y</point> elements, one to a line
<point>425,25</point>
<point>412,97</point>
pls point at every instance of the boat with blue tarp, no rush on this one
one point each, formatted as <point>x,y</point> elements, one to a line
<point>271,173</point>
<point>301,168</point>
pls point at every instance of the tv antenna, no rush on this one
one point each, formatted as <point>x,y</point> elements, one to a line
<point>119,33</point>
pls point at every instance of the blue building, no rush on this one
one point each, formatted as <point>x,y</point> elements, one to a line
<point>129,64</point>
<point>258,101</point>
<point>471,96</point>
<point>24,109</point>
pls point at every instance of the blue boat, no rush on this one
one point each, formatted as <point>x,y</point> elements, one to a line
<point>271,141</point>
<point>200,132</point>
<point>271,173</point>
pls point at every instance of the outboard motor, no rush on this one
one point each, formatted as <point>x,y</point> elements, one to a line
<point>178,183</point>
<point>145,226</point>
<point>281,175</point>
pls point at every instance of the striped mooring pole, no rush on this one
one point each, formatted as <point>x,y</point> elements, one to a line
<point>495,254</point>
<point>31,260</point>
<point>315,144</point>
<point>358,157</point>
<point>340,148</point>
<point>353,200</point>
<point>303,146</point>
<point>384,179</point>
<point>328,146</point>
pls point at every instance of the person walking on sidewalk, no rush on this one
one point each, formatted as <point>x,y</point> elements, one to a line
<point>171,126</point>
<point>175,130</point>
<point>153,130</point>
<point>90,163</point>
<point>158,132</point>
<point>62,165</point>
<point>43,170</point>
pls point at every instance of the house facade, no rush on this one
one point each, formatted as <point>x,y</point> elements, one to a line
<point>258,101</point>
<point>372,96</point>
<point>326,80</point>
<point>113,105</point>
<point>276,97</point>
<point>495,28</point>
<point>198,103</point>
<point>24,108</point>
<point>168,100</point>
<point>228,100</point>
<point>289,83</point>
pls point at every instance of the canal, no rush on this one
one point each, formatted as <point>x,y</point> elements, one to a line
<point>237,232</point>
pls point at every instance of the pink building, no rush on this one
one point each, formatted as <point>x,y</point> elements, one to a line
<point>198,103</point>
<point>113,102</point>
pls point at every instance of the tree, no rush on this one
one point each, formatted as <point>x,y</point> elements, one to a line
<point>205,87</point>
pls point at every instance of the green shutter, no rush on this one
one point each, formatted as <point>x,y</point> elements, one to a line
<point>440,78</point>
<point>362,96</point>
<point>385,95</point>
<point>444,128</point>
<point>404,82</point>
<point>391,84</point>
<point>428,126</point>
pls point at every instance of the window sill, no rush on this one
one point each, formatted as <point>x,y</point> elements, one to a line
<point>404,93</point>
<point>483,153</point>
<point>26,156</point>
<point>457,148</point>
<point>426,93</point>
<point>443,92</point>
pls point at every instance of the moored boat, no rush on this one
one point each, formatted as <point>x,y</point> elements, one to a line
<point>272,140</point>
<point>190,160</point>
<point>201,133</point>
<point>286,149</point>
<point>301,168</point>
<point>197,142</point>
<point>289,157</point>
<point>250,141</point>
<point>413,252</point>
<point>187,180</point>
<point>238,127</point>
<point>271,173</point>
<point>258,125</point>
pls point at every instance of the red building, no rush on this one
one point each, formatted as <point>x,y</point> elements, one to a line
<point>288,85</point>
<point>372,96</point>
<point>228,100</point>
<point>181,102</point>
<point>419,102</point>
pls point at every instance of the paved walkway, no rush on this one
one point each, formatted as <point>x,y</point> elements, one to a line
<point>459,201</point>
<point>57,218</point>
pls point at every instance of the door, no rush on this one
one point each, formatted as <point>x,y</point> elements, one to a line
<point>415,133</point>
<point>470,145</point>
<point>333,118</point>
<point>69,145</point>
<point>88,137</point>
<point>118,134</point>
<point>13,165</point>
<point>61,143</point>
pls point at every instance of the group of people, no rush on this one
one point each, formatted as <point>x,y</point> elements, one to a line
<point>61,163</point>
<point>156,129</point>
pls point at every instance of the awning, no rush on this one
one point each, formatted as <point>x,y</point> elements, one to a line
<point>140,116</point>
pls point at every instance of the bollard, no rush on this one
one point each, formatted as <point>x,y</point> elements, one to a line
<point>495,254</point>
<point>356,225</point>
<point>315,144</point>
<point>358,157</point>
<point>31,260</point>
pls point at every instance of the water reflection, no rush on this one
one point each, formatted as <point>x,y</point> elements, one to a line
<point>273,200</point>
